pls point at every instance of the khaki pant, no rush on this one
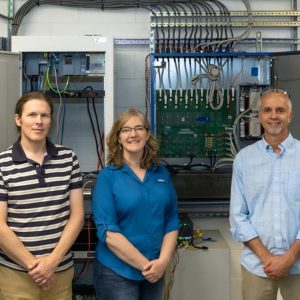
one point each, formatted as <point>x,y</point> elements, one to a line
<point>265,288</point>
<point>16,285</point>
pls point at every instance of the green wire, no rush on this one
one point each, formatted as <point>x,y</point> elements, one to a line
<point>57,91</point>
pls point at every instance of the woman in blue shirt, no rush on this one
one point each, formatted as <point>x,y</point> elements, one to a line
<point>135,211</point>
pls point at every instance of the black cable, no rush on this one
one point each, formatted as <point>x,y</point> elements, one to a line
<point>221,21</point>
<point>97,123</point>
<point>198,26</point>
<point>185,27</point>
<point>210,29</point>
<point>164,47</point>
<point>6,18</point>
<point>98,128</point>
<point>206,25</point>
<point>20,14</point>
<point>174,32</point>
<point>177,13</point>
<point>223,14</point>
<point>192,11</point>
<point>200,247</point>
<point>93,127</point>
<point>175,168</point>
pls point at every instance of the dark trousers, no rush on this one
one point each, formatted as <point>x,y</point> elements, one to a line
<point>111,286</point>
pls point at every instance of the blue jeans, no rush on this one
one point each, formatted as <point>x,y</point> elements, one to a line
<point>111,286</point>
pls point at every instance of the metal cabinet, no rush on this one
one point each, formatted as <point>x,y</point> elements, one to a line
<point>9,94</point>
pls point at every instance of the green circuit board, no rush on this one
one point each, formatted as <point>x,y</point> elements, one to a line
<point>187,126</point>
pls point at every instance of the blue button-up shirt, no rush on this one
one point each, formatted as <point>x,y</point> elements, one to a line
<point>265,200</point>
<point>143,211</point>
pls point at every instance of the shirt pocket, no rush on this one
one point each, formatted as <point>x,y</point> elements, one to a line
<point>292,186</point>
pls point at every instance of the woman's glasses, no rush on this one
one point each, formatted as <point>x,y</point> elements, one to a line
<point>137,129</point>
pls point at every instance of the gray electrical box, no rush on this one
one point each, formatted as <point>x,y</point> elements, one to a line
<point>9,95</point>
<point>96,64</point>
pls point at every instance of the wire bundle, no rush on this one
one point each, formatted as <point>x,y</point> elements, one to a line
<point>196,8</point>
<point>198,26</point>
<point>185,27</point>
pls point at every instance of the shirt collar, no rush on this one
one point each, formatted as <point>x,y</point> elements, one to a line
<point>18,154</point>
<point>283,146</point>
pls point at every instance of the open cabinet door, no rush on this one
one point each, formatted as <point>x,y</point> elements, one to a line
<point>286,74</point>
<point>9,94</point>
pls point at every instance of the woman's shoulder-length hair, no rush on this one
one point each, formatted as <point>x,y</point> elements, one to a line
<point>115,151</point>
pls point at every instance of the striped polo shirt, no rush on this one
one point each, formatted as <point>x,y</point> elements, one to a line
<point>38,198</point>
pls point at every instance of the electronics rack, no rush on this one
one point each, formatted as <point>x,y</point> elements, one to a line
<point>196,98</point>
<point>85,245</point>
<point>78,74</point>
<point>186,231</point>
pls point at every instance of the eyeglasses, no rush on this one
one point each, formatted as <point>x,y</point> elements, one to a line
<point>137,129</point>
<point>269,90</point>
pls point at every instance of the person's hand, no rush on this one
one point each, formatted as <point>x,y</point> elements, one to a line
<point>42,270</point>
<point>154,270</point>
<point>277,266</point>
<point>49,284</point>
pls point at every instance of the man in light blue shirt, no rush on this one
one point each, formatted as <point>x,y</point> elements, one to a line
<point>265,205</point>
